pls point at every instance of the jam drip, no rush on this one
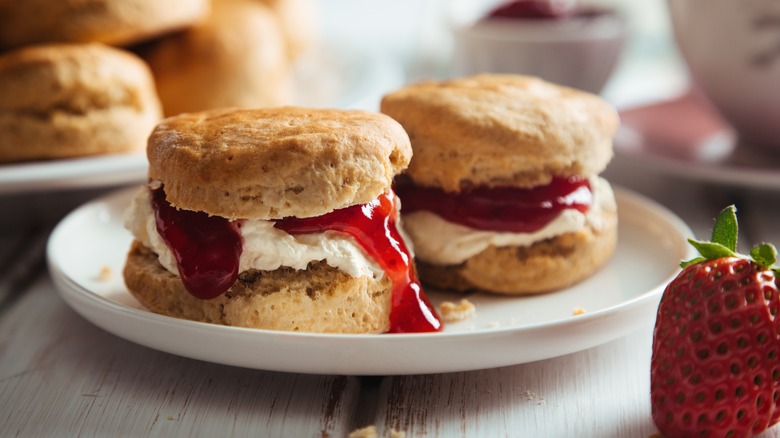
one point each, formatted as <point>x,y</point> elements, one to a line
<point>207,248</point>
<point>501,208</point>
<point>372,225</point>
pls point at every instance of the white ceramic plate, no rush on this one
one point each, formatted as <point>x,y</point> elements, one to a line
<point>620,298</point>
<point>74,173</point>
<point>686,138</point>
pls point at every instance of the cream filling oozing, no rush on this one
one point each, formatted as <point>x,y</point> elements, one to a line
<point>439,242</point>
<point>265,248</point>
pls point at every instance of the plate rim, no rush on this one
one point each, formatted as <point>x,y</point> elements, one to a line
<point>78,296</point>
<point>73,173</point>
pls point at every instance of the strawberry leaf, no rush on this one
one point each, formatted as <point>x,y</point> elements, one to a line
<point>712,250</point>
<point>726,230</point>
<point>764,254</point>
<point>685,264</point>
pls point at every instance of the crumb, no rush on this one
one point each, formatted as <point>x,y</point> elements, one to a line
<point>170,417</point>
<point>578,311</point>
<point>370,432</point>
<point>532,396</point>
<point>105,273</point>
<point>365,432</point>
<point>451,312</point>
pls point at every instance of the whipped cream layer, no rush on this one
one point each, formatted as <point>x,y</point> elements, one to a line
<point>440,242</point>
<point>265,248</point>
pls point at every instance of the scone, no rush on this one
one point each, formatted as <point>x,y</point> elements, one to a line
<point>113,22</point>
<point>503,193</point>
<point>70,100</point>
<point>299,21</point>
<point>237,57</point>
<point>280,219</point>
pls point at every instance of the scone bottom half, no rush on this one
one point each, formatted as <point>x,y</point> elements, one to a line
<point>345,270</point>
<point>503,193</point>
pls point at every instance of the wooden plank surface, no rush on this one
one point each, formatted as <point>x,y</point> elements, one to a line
<point>62,376</point>
<point>583,394</point>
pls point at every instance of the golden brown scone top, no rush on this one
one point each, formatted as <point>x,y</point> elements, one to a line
<point>75,79</point>
<point>299,21</point>
<point>114,22</point>
<point>234,58</point>
<point>276,162</point>
<point>501,130</point>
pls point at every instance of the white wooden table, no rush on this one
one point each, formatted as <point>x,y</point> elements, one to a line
<point>62,376</point>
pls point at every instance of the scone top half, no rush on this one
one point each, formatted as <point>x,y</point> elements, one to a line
<point>501,130</point>
<point>274,163</point>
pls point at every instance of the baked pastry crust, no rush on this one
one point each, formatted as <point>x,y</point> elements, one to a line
<point>501,130</point>
<point>319,299</point>
<point>545,266</point>
<point>299,22</point>
<point>67,100</point>
<point>114,22</point>
<point>276,162</point>
<point>234,58</point>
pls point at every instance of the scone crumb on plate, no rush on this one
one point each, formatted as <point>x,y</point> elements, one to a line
<point>578,311</point>
<point>105,273</point>
<point>451,312</point>
<point>364,432</point>
<point>370,432</point>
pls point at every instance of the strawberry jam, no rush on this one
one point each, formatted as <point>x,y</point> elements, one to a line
<point>534,9</point>
<point>545,10</point>
<point>372,225</point>
<point>207,248</point>
<point>501,208</point>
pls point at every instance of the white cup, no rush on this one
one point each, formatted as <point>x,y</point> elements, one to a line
<point>732,48</point>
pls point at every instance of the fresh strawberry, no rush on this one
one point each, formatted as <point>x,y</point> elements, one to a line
<point>715,370</point>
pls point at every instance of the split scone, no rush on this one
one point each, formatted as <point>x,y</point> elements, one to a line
<point>279,218</point>
<point>503,193</point>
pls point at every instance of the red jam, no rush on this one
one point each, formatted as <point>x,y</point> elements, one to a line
<point>544,9</point>
<point>207,248</point>
<point>372,225</point>
<point>501,208</point>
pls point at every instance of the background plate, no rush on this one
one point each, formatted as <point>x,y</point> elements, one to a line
<point>686,138</point>
<point>618,299</point>
<point>73,173</point>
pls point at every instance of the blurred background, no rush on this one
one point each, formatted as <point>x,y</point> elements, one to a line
<point>324,53</point>
<point>408,40</point>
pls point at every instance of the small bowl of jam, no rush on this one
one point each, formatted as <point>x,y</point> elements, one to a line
<point>561,41</point>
